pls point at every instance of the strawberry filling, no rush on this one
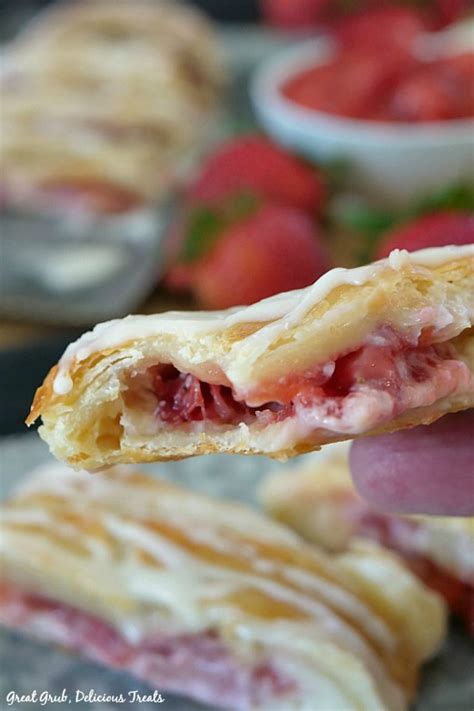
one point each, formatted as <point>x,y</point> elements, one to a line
<point>358,390</point>
<point>184,398</point>
<point>197,665</point>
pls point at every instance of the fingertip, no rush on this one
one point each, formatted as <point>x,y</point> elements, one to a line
<point>376,475</point>
<point>426,470</point>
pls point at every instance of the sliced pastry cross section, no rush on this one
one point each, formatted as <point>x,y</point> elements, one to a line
<point>374,349</point>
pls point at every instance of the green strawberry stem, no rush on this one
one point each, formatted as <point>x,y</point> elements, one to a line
<point>206,223</point>
<point>371,224</point>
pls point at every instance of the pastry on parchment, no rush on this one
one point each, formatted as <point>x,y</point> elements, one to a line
<point>210,599</point>
<point>317,499</point>
<point>374,349</point>
<point>101,100</point>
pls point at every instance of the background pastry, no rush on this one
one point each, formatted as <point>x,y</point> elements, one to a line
<point>208,598</point>
<point>101,99</point>
<point>318,500</point>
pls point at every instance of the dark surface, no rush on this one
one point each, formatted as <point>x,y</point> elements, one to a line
<point>230,10</point>
<point>15,13</point>
<point>22,370</point>
<point>226,10</point>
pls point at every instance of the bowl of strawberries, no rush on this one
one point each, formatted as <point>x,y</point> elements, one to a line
<point>393,100</point>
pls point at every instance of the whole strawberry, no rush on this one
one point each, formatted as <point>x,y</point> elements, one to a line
<point>276,249</point>
<point>435,230</point>
<point>254,164</point>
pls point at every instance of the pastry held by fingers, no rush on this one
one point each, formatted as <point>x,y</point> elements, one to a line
<point>361,351</point>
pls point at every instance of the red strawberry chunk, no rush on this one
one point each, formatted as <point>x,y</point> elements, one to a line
<point>423,98</point>
<point>384,83</point>
<point>436,91</point>
<point>374,364</point>
<point>447,11</point>
<point>354,83</point>
<point>184,398</point>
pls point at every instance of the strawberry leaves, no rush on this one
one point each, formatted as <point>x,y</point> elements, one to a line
<point>458,198</point>
<point>206,223</point>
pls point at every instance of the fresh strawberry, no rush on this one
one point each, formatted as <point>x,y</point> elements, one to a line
<point>435,230</point>
<point>276,249</point>
<point>423,97</point>
<point>253,163</point>
<point>191,236</point>
<point>294,14</point>
<point>436,91</point>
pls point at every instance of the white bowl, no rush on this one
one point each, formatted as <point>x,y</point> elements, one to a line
<point>389,161</point>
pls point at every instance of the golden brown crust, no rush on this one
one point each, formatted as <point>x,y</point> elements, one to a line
<point>44,397</point>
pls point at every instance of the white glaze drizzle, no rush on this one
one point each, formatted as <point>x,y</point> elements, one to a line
<point>289,306</point>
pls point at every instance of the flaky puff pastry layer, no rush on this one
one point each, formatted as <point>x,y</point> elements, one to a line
<point>98,406</point>
<point>147,556</point>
